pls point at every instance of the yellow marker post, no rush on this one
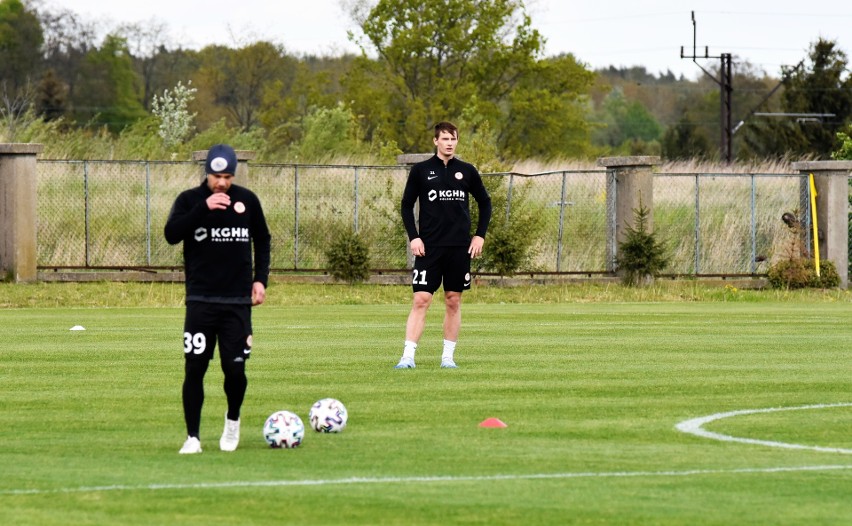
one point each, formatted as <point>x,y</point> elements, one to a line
<point>814,222</point>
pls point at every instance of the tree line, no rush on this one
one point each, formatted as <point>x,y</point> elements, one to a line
<point>480,63</point>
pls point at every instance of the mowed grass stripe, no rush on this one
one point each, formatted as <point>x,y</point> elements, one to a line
<point>585,389</point>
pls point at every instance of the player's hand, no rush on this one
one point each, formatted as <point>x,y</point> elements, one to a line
<point>258,293</point>
<point>218,201</point>
<point>475,248</point>
<point>417,247</point>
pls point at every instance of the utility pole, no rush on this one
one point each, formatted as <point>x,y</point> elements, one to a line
<point>725,89</point>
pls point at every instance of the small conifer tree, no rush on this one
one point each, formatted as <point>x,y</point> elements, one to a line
<point>641,256</point>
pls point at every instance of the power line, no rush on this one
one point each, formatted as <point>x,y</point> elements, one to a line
<point>775,13</point>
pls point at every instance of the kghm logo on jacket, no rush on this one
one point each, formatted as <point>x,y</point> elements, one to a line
<point>223,234</point>
<point>447,195</point>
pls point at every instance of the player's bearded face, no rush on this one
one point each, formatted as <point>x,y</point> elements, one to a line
<point>219,183</point>
<point>446,144</point>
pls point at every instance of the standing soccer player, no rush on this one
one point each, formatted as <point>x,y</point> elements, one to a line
<point>220,224</point>
<point>443,246</point>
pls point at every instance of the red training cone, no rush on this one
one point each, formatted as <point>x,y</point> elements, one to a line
<point>492,422</point>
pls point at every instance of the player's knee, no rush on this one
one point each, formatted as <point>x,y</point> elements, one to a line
<point>452,301</point>
<point>234,369</point>
<point>422,300</point>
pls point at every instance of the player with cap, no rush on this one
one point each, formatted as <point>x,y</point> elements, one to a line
<point>226,252</point>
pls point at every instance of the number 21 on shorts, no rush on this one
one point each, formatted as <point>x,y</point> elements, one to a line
<point>421,275</point>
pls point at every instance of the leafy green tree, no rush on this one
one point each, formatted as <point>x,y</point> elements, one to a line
<point>109,87</point>
<point>67,41</point>
<point>147,42</point>
<point>237,79</point>
<point>20,42</point>
<point>844,151</point>
<point>662,96</point>
<point>546,111</point>
<point>625,122</point>
<point>288,101</point>
<point>823,86</point>
<point>328,132</point>
<point>21,38</point>
<point>435,58</point>
<point>685,139</point>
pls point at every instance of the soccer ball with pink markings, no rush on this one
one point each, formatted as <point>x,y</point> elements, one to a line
<point>328,416</point>
<point>283,429</point>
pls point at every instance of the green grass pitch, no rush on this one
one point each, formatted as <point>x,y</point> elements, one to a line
<point>591,394</point>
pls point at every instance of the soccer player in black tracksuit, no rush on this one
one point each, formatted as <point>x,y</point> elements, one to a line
<point>443,246</point>
<point>219,223</point>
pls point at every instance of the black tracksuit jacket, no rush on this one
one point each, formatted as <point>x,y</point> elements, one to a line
<point>444,192</point>
<point>218,244</point>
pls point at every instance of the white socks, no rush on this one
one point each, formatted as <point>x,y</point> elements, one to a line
<point>410,347</point>
<point>449,349</point>
<point>408,350</point>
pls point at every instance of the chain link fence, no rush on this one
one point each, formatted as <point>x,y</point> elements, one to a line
<point>111,214</point>
<point>729,224</point>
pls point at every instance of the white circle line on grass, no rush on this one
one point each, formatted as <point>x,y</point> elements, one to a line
<point>695,427</point>
<point>420,480</point>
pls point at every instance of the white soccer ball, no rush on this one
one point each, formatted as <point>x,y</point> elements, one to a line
<point>283,429</point>
<point>328,416</point>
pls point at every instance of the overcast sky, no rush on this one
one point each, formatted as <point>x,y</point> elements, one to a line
<point>766,33</point>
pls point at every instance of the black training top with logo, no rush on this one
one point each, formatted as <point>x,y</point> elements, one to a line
<point>443,191</point>
<point>217,244</point>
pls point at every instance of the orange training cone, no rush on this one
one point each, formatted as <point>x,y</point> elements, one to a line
<point>492,422</point>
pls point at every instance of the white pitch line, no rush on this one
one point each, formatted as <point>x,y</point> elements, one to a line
<point>694,427</point>
<point>416,480</point>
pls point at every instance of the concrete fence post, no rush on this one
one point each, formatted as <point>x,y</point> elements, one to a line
<point>831,179</point>
<point>630,183</point>
<point>18,218</point>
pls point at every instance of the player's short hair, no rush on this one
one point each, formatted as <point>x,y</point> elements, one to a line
<point>448,127</point>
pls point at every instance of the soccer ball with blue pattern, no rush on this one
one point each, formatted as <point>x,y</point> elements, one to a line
<point>283,429</point>
<point>328,416</point>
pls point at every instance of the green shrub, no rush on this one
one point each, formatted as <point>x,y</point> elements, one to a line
<point>510,243</point>
<point>641,256</point>
<point>797,270</point>
<point>828,276</point>
<point>790,274</point>
<point>845,149</point>
<point>799,273</point>
<point>507,251</point>
<point>348,257</point>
